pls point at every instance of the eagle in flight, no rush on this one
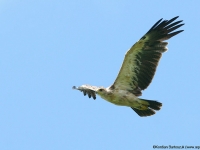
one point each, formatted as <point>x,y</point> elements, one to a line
<point>137,70</point>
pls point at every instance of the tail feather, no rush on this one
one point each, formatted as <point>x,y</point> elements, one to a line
<point>150,107</point>
<point>153,104</point>
<point>144,113</point>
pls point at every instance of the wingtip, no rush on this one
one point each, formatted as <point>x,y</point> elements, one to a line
<point>74,87</point>
<point>176,17</point>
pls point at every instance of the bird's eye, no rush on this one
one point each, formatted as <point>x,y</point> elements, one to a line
<point>100,90</point>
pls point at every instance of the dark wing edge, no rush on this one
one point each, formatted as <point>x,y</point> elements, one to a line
<point>145,54</point>
<point>163,30</point>
<point>87,90</point>
<point>153,49</point>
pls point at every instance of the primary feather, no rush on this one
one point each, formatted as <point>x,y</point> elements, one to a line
<point>138,69</point>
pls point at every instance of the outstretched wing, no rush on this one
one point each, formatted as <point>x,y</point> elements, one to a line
<point>141,60</point>
<point>87,90</point>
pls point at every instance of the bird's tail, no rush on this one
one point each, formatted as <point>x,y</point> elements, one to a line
<point>147,107</point>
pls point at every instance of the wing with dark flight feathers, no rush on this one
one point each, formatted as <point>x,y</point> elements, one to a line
<point>87,90</point>
<point>141,60</point>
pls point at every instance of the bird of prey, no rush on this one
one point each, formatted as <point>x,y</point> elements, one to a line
<point>137,70</point>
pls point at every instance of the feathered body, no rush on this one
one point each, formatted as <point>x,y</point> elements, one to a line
<point>137,70</point>
<point>118,97</point>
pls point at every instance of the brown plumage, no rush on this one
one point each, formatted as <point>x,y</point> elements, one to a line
<point>138,69</point>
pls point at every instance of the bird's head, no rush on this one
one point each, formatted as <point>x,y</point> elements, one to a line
<point>101,91</point>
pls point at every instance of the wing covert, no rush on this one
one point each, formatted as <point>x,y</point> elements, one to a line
<point>87,90</point>
<point>141,60</point>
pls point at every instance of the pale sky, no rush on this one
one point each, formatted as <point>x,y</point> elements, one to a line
<point>48,47</point>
